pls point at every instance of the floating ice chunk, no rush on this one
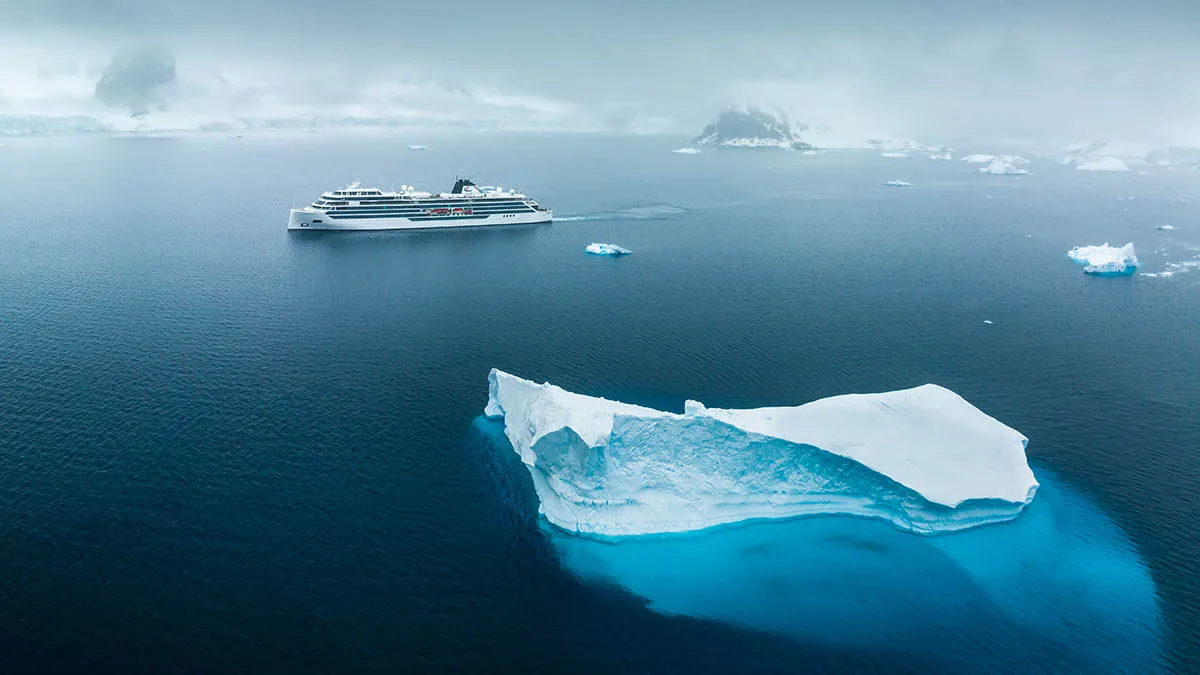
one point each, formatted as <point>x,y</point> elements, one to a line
<point>416,146</point>
<point>897,183</point>
<point>979,159</point>
<point>606,249</point>
<point>1105,260</point>
<point>1175,268</point>
<point>1103,164</point>
<point>923,459</point>
<point>1166,227</point>
<point>1004,166</point>
<point>943,156</point>
<point>687,151</point>
<point>894,155</point>
<point>988,321</point>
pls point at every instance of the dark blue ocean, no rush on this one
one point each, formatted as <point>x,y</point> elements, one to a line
<point>225,447</point>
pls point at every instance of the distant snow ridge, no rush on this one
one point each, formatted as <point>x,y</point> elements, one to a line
<point>606,249</point>
<point>1103,164</point>
<point>923,459</point>
<point>900,144</point>
<point>750,127</point>
<point>1105,260</point>
<point>1006,165</point>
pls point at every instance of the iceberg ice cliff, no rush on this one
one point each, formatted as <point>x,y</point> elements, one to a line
<point>923,459</point>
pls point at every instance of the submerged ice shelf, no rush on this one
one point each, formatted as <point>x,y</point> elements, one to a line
<point>923,459</point>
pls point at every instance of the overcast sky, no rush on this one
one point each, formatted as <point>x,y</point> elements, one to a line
<point>1055,69</point>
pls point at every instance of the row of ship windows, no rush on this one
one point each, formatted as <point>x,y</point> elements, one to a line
<point>323,203</point>
<point>411,214</point>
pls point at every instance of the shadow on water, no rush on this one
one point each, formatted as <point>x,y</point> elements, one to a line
<point>1061,588</point>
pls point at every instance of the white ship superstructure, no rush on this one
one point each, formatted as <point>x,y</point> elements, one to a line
<point>466,205</point>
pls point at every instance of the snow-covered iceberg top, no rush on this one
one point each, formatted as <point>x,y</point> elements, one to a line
<point>923,458</point>
<point>1103,164</point>
<point>1166,227</point>
<point>606,249</point>
<point>1105,260</point>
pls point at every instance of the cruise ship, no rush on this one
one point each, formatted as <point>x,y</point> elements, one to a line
<point>466,205</point>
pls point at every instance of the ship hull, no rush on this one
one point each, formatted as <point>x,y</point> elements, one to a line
<point>311,219</point>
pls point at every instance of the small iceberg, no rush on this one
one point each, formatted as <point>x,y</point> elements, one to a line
<point>943,157</point>
<point>418,147</point>
<point>606,249</point>
<point>988,321</point>
<point>1105,260</point>
<point>923,459</point>
<point>894,155</point>
<point>1004,166</point>
<point>978,159</point>
<point>687,151</point>
<point>1103,164</point>
<point>1166,227</point>
<point>897,183</point>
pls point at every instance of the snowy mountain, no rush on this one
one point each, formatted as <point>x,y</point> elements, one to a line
<point>137,80</point>
<point>751,127</point>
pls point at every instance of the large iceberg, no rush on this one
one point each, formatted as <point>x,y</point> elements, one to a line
<point>1105,260</point>
<point>923,459</point>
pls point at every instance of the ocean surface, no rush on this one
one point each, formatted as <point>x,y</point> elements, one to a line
<point>225,447</point>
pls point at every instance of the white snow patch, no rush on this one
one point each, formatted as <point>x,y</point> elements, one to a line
<point>686,151</point>
<point>417,146</point>
<point>897,183</point>
<point>894,155</point>
<point>923,459</point>
<point>944,156</point>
